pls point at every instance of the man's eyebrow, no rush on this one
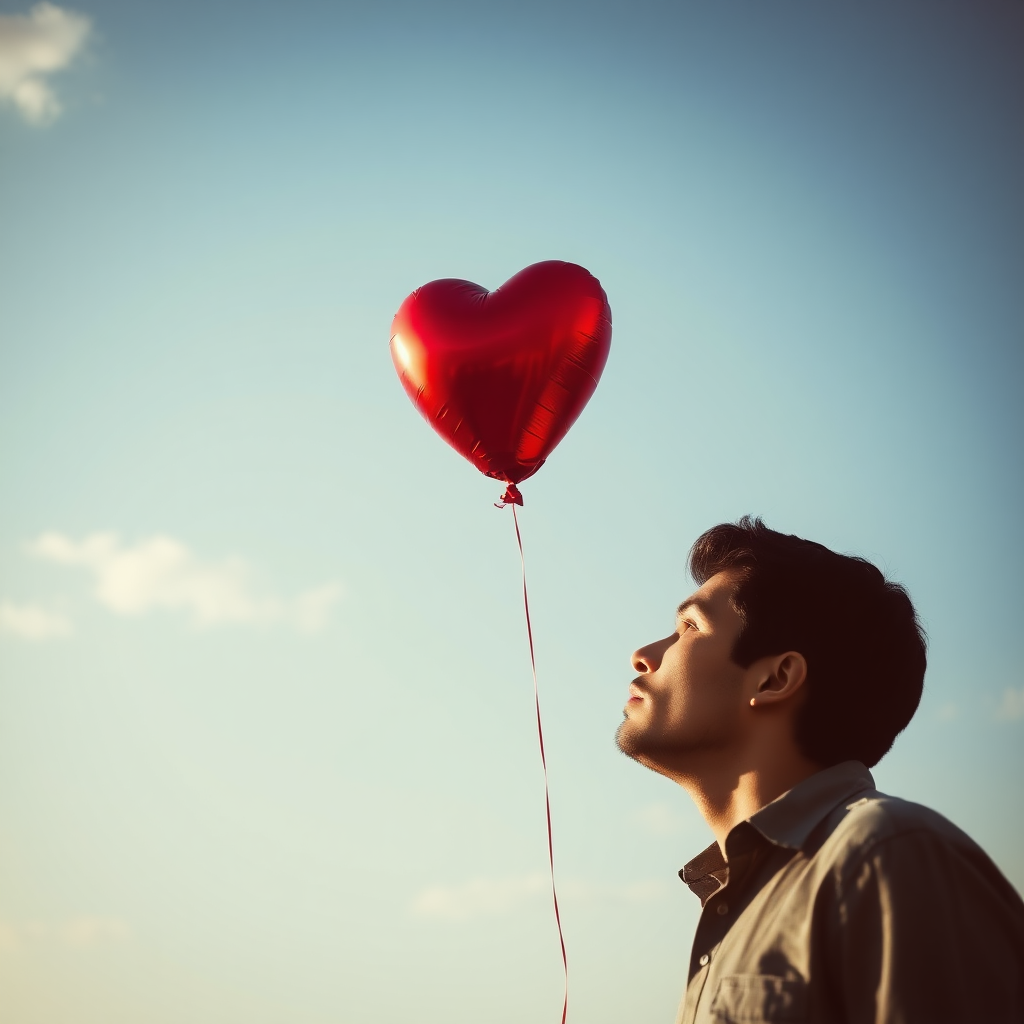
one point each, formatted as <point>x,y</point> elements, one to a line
<point>702,605</point>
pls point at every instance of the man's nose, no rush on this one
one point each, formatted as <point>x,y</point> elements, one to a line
<point>646,659</point>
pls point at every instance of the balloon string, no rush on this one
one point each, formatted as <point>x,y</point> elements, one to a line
<point>544,766</point>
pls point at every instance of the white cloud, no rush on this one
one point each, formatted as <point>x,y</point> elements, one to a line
<point>76,931</point>
<point>162,573</point>
<point>661,819</point>
<point>478,897</point>
<point>313,607</point>
<point>32,47</point>
<point>488,896</point>
<point>9,936</point>
<point>91,931</point>
<point>581,891</point>
<point>31,622</point>
<point>1011,707</point>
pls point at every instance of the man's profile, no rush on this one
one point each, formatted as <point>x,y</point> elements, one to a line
<point>790,672</point>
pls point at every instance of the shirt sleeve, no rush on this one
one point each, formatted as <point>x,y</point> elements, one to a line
<point>926,932</point>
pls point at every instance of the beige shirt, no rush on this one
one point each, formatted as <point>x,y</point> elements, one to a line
<point>836,904</point>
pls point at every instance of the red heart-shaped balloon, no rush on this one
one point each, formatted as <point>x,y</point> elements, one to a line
<point>502,375</point>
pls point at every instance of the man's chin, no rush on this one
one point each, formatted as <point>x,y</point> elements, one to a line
<point>645,750</point>
<point>630,741</point>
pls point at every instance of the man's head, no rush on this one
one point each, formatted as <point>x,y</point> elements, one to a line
<point>792,624</point>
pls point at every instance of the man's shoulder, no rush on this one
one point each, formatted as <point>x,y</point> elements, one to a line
<point>873,817</point>
<point>893,834</point>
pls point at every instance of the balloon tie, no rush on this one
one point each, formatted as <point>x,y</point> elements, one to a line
<point>510,497</point>
<point>516,499</point>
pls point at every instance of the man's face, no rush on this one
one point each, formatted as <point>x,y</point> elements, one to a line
<point>688,699</point>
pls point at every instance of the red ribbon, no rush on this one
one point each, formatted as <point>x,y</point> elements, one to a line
<point>513,497</point>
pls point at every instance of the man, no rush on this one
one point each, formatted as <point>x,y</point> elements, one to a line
<point>790,670</point>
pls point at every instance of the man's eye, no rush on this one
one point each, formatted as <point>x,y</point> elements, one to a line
<point>685,624</point>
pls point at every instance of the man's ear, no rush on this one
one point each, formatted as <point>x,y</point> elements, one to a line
<point>779,678</point>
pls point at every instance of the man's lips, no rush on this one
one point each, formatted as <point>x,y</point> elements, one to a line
<point>635,694</point>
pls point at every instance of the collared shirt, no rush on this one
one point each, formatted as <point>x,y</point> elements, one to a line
<point>836,904</point>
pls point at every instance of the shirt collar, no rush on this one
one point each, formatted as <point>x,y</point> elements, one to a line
<point>787,821</point>
<point>706,873</point>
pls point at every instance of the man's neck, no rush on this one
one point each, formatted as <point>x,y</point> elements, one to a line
<point>727,794</point>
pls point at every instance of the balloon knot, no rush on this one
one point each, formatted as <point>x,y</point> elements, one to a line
<point>510,497</point>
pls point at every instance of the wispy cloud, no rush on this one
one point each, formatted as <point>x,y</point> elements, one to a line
<point>478,897</point>
<point>76,931</point>
<point>34,46</point>
<point>91,931</point>
<point>1011,707</point>
<point>32,622</point>
<point>312,608</point>
<point>10,936</point>
<point>489,896</point>
<point>580,890</point>
<point>163,573</point>
<point>661,819</point>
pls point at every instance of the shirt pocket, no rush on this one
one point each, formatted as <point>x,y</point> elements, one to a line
<point>751,998</point>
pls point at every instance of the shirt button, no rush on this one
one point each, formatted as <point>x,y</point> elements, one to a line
<point>705,960</point>
<point>723,908</point>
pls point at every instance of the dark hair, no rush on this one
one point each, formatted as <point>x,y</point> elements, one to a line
<point>864,646</point>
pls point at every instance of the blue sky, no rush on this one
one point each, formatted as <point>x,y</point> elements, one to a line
<point>267,750</point>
